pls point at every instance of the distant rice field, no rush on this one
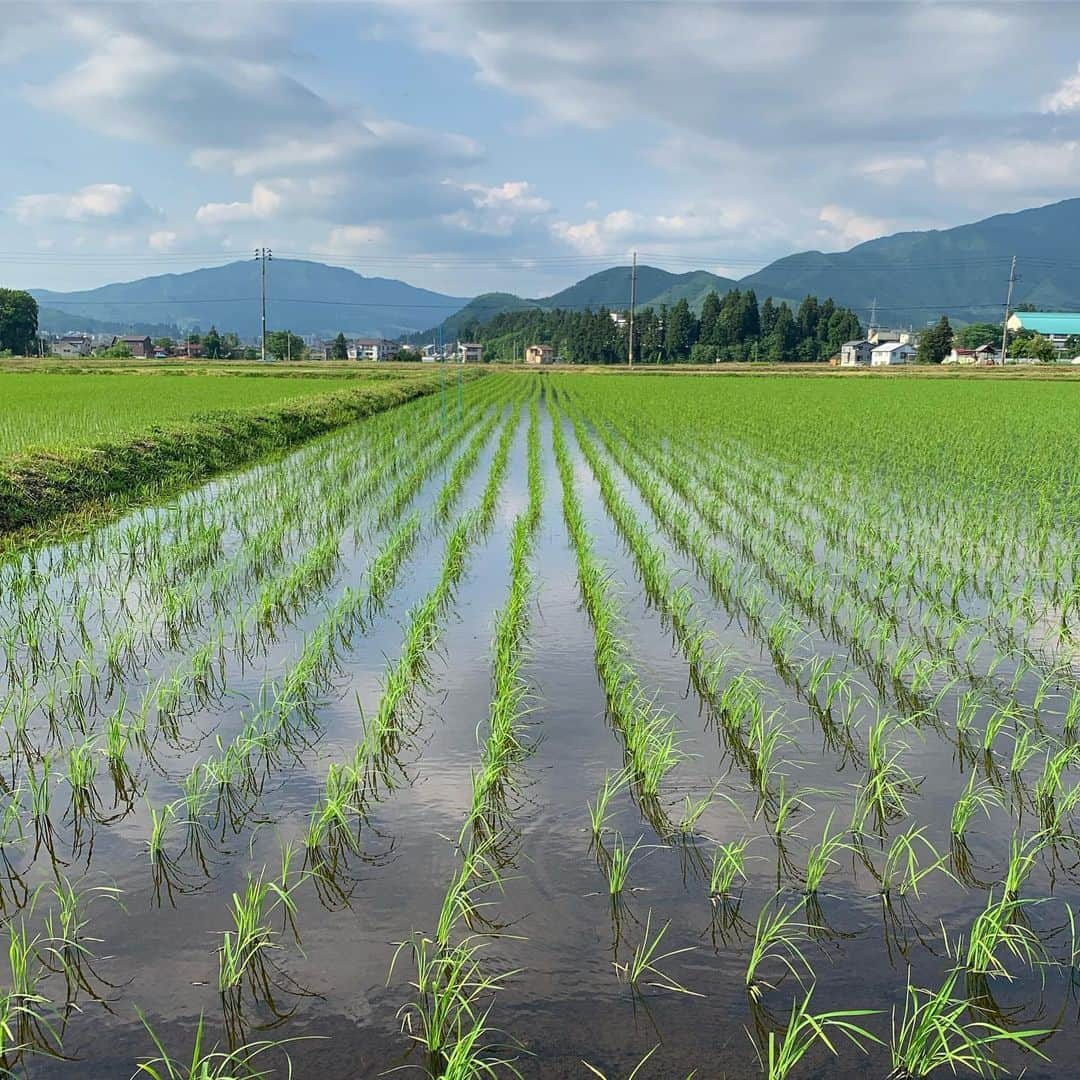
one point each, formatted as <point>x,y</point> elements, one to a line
<point>40,411</point>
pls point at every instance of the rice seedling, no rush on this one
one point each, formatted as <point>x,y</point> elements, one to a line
<point>976,797</point>
<point>633,1073</point>
<point>940,1030</point>
<point>643,965</point>
<point>247,1061</point>
<point>822,857</point>
<point>1001,925</point>
<point>777,939</point>
<point>910,858</point>
<point>728,863</point>
<point>784,1052</point>
<point>598,812</point>
<point>617,864</point>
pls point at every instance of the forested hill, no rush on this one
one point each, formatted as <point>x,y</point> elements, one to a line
<point>730,327</point>
<point>962,272</point>
<point>608,289</point>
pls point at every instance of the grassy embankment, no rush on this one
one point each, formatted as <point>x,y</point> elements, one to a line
<point>73,451</point>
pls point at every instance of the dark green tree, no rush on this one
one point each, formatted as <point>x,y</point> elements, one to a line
<point>935,342</point>
<point>18,322</point>
<point>212,347</point>
<point>680,332</point>
<point>708,329</point>
<point>339,350</point>
<point>782,341</point>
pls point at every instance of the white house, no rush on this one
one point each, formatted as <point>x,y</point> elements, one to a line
<point>892,352</point>
<point>468,352</point>
<point>371,349</point>
<point>854,353</point>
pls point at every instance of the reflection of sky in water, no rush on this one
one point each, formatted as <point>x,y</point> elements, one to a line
<point>567,1004</point>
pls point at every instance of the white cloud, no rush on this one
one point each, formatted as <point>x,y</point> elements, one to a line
<point>598,236</point>
<point>162,240</point>
<point>352,239</point>
<point>516,195</point>
<point>1066,98</point>
<point>1024,166</point>
<point>94,203</point>
<point>848,228</point>
<point>264,203</point>
<point>893,169</point>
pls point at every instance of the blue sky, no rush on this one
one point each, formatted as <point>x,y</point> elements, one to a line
<point>517,146</point>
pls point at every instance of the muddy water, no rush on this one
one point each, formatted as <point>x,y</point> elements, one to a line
<point>336,993</point>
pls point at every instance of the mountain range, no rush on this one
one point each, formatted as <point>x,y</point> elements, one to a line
<point>909,278</point>
<point>305,297</point>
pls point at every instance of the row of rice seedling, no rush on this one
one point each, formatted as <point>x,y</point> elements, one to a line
<point>650,740</point>
<point>449,1014</point>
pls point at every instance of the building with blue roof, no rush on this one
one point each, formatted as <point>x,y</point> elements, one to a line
<point>1058,326</point>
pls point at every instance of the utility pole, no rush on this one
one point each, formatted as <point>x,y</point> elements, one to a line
<point>264,255</point>
<point>633,302</point>
<point>873,319</point>
<point>288,346</point>
<point>1008,304</point>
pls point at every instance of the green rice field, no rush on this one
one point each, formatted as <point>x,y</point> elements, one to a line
<point>45,411</point>
<point>562,726</point>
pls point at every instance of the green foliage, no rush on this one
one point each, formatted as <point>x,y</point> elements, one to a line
<point>119,351</point>
<point>1026,345</point>
<point>339,350</point>
<point>977,334</point>
<point>18,322</point>
<point>285,345</point>
<point>935,343</point>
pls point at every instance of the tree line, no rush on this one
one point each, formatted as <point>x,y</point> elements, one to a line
<point>730,327</point>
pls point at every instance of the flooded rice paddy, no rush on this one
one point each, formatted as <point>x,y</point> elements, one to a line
<point>729,722</point>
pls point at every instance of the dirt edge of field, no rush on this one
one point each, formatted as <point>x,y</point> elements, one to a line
<point>43,491</point>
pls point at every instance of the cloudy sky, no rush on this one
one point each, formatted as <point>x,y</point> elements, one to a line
<point>518,145</point>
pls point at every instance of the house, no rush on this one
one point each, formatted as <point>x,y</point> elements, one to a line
<point>431,354</point>
<point>854,353</point>
<point>892,352</point>
<point>370,349</point>
<point>1058,326</point>
<point>982,356</point>
<point>469,352</point>
<point>139,347</point>
<point>71,346</point>
<point>539,354</point>
<point>317,351</point>
<point>619,319</point>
